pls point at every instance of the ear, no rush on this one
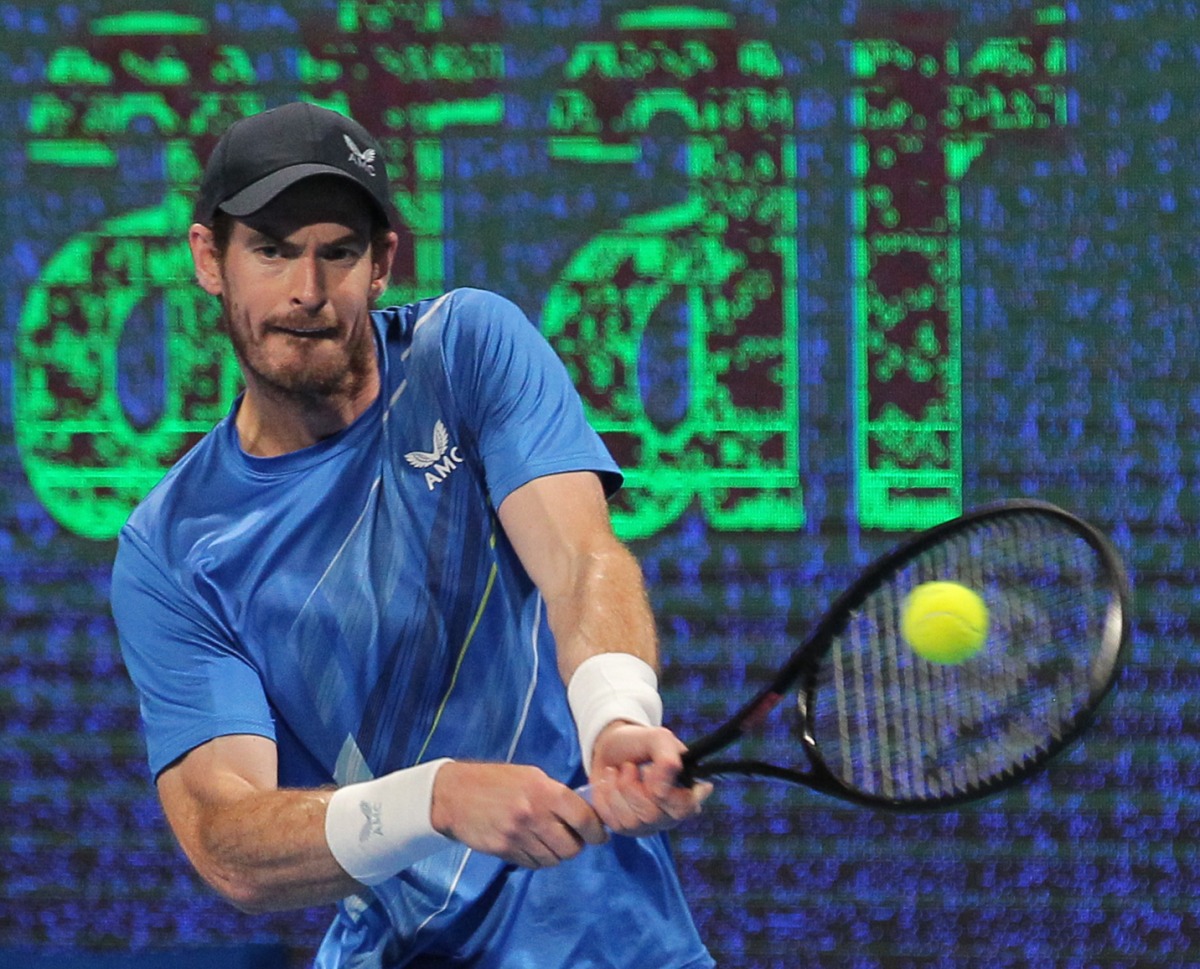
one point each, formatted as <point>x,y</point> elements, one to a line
<point>204,256</point>
<point>381,264</point>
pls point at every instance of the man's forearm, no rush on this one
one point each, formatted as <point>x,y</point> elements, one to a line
<point>267,851</point>
<point>607,648</point>
<point>271,849</point>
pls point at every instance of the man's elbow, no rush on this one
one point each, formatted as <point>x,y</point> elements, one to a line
<point>242,888</point>
<point>253,902</point>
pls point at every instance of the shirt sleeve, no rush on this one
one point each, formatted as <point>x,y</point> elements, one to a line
<point>517,398</point>
<point>192,685</point>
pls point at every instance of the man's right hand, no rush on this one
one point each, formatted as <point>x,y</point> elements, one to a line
<point>514,812</point>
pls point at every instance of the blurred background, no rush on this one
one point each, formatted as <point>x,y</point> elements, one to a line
<point>824,271</point>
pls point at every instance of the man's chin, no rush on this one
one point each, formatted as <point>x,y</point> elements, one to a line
<point>315,371</point>
<point>310,384</point>
<point>310,368</point>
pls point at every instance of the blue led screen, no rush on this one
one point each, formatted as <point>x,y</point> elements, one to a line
<point>736,173</point>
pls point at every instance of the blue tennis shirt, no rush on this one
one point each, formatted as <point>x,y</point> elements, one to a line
<point>358,603</point>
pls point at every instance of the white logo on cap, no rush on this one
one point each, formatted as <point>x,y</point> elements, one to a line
<point>363,159</point>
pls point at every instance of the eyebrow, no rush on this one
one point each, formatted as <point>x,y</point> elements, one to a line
<point>261,235</point>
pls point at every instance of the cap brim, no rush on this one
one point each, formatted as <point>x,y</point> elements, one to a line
<point>253,197</point>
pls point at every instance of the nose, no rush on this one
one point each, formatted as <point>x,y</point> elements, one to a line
<point>308,284</point>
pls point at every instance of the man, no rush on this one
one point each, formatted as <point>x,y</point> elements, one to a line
<point>378,622</point>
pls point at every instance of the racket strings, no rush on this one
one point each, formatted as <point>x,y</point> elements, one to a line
<point>893,725</point>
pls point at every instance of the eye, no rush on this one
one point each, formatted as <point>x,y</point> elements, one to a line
<point>347,253</point>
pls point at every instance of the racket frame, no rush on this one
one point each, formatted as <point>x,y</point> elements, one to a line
<point>801,669</point>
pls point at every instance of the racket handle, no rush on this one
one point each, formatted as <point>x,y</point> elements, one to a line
<point>686,776</point>
<point>585,792</point>
<point>685,779</point>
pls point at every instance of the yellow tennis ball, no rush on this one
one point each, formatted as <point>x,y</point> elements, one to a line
<point>944,622</point>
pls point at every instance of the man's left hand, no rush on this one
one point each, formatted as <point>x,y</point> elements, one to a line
<point>634,779</point>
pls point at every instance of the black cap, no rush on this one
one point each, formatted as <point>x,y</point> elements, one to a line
<point>259,156</point>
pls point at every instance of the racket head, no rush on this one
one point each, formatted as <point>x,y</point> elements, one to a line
<point>880,725</point>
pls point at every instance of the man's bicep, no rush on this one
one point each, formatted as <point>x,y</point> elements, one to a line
<point>213,776</point>
<point>554,520</point>
<point>236,762</point>
<point>595,595</point>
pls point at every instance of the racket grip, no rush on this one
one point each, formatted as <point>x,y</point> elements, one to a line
<point>585,792</point>
<point>685,779</point>
<point>686,776</point>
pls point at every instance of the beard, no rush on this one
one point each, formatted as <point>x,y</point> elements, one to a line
<point>312,371</point>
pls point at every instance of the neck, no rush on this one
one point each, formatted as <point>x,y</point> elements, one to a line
<point>271,422</point>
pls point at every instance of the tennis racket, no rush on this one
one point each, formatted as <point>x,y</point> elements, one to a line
<point>873,722</point>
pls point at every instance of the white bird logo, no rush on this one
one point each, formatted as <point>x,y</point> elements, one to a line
<point>363,159</point>
<point>441,443</point>
<point>374,823</point>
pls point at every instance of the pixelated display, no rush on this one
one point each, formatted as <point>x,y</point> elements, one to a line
<point>926,113</point>
<point>824,271</point>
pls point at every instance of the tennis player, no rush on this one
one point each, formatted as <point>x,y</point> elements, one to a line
<point>378,622</point>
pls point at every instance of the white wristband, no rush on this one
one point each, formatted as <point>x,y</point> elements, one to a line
<point>378,828</point>
<point>608,687</point>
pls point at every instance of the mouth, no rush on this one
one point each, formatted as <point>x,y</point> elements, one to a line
<point>307,332</point>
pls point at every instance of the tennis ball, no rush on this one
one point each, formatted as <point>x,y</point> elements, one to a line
<point>944,622</point>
